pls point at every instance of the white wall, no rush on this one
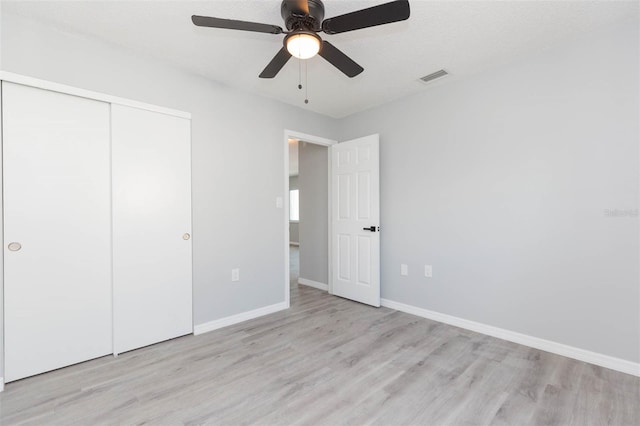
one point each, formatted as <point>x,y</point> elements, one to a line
<point>237,156</point>
<point>501,182</point>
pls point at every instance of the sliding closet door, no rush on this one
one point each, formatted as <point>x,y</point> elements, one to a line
<point>151,227</point>
<point>57,230</point>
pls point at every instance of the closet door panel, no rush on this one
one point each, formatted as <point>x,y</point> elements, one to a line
<point>151,158</point>
<point>57,230</point>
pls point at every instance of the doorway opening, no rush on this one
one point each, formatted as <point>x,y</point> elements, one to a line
<point>307,198</point>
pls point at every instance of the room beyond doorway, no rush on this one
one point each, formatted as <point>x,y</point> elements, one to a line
<point>307,211</point>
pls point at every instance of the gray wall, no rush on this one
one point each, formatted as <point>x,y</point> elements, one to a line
<point>314,231</point>
<point>225,211</point>
<point>294,228</point>
<point>501,182</point>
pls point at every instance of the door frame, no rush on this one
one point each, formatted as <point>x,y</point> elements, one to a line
<point>316,140</point>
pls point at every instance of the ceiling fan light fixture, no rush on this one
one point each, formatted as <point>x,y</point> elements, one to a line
<point>303,45</point>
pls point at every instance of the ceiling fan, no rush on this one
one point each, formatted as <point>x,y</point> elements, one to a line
<point>304,20</point>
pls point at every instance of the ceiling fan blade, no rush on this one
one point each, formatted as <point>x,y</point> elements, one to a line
<point>276,64</point>
<point>371,17</point>
<point>231,24</point>
<point>339,60</point>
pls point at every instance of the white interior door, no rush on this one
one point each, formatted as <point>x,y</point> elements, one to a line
<point>355,220</point>
<point>57,230</point>
<point>151,157</point>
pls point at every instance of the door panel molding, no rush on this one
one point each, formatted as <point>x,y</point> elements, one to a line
<point>355,219</point>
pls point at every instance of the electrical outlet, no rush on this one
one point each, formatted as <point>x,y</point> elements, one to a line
<point>404,270</point>
<point>279,202</point>
<point>235,274</point>
<point>428,271</point>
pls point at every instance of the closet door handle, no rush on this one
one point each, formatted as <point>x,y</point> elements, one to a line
<point>186,236</point>
<point>14,246</point>
<point>371,228</point>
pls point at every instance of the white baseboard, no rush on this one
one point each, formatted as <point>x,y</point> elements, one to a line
<point>314,284</point>
<point>606,361</point>
<point>1,384</point>
<point>234,319</point>
<point>293,243</point>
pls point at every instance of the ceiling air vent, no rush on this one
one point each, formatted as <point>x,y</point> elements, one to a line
<point>433,76</point>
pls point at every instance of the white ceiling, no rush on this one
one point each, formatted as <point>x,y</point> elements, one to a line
<point>463,37</point>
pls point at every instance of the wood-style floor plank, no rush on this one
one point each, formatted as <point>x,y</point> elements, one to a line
<point>328,361</point>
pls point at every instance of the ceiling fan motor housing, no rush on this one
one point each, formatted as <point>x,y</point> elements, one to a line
<point>297,18</point>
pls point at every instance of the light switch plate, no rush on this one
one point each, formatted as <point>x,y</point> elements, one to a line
<point>279,202</point>
<point>404,269</point>
<point>428,271</point>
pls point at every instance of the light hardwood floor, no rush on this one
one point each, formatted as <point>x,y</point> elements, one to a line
<point>328,361</point>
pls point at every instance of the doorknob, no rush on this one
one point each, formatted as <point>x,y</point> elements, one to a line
<point>186,236</point>
<point>14,246</point>
<point>371,228</point>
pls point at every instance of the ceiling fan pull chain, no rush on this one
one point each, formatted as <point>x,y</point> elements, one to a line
<point>306,83</point>
<point>299,73</point>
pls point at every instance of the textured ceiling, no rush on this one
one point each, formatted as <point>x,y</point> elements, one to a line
<point>463,37</point>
